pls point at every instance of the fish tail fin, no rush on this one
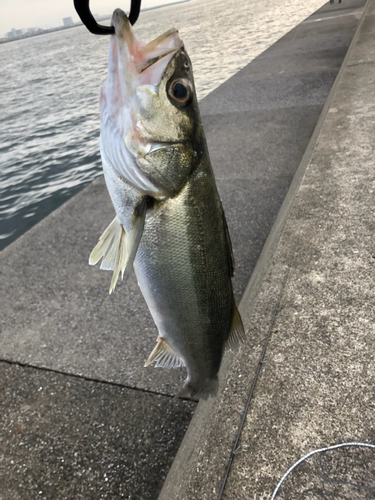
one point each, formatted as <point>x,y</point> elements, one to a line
<point>237,331</point>
<point>208,390</point>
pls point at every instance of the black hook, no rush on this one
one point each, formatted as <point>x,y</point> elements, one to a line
<point>83,10</point>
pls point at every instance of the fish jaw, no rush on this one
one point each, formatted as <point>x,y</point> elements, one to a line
<point>131,64</point>
<point>140,61</point>
<point>146,138</point>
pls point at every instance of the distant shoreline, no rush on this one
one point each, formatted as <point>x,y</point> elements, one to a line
<point>79,23</point>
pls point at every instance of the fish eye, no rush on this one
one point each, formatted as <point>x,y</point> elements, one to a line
<point>180,91</point>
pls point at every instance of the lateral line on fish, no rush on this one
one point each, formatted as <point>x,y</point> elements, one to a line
<point>255,380</point>
<point>91,379</point>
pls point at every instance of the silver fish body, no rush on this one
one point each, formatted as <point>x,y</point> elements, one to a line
<point>169,223</point>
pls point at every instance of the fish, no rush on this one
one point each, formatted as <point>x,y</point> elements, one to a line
<point>170,224</point>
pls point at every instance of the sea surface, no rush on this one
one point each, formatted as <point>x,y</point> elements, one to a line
<point>49,85</point>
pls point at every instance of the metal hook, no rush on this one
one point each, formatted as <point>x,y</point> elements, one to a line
<point>83,10</point>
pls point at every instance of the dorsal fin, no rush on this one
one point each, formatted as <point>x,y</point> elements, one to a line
<point>237,332</point>
<point>229,246</point>
<point>164,356</point>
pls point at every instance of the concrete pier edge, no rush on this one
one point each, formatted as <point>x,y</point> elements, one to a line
<point>270,245</point>
<point>186,468</point>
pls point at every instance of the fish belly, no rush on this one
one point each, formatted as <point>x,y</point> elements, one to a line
<point>183,267</point>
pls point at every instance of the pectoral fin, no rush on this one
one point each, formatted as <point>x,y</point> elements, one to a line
<point>117,248</point>
<point>237,332</point>
<point>105,242</point>
<point>164,356</point>
<point>137,224</point>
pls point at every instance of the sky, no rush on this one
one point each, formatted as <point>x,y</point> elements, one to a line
<point>20,14</point>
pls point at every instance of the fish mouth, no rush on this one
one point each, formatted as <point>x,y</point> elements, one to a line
<point>146,60</point>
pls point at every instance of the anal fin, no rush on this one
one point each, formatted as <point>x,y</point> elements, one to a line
<point>164,356</point>
<point>237,331</point>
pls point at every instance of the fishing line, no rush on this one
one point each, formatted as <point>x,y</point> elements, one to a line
<point>260,363</point>
<point>366,445</point>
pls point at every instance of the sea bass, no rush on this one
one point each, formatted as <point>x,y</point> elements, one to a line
<point>169,224</point>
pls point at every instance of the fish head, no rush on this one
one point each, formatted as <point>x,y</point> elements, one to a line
<point>149,110</point>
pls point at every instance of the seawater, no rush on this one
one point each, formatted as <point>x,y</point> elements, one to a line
<point>49,124</point>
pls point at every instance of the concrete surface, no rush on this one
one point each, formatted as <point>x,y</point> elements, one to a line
<point>308,368</point>
<point>58,317</point>
<point>66,438</point>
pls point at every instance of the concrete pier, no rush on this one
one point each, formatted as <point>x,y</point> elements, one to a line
<point>305,378</point>
<point>83,419</point>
